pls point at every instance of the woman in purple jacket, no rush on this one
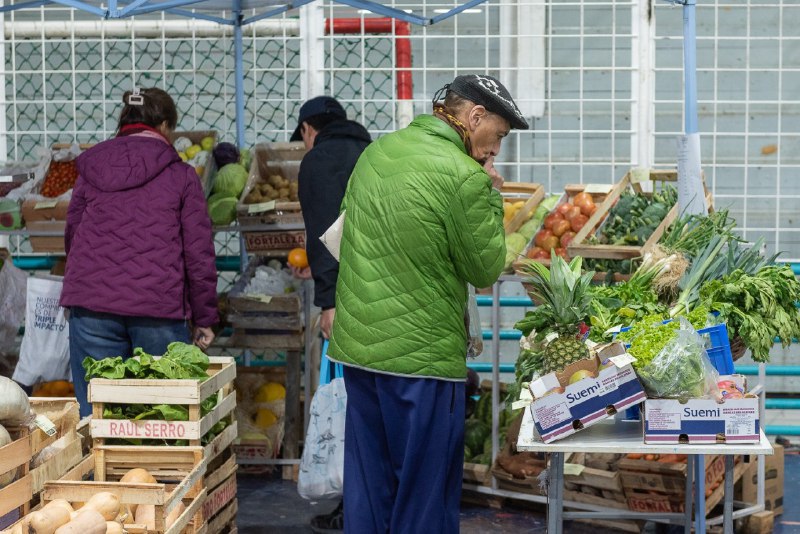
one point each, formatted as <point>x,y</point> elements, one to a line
<point>140,253</point>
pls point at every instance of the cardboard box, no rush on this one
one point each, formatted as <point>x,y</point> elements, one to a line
<point>773,481</point>
<point>702,420</point>
<point>589,400</point>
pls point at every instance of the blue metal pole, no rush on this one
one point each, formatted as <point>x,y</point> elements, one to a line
<point>238,72</point>
<point>690,67</point>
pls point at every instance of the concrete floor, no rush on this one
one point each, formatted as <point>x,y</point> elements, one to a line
<point>270,505</point>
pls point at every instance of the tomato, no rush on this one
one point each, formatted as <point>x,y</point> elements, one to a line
<point>578,222</point>
<point>549,243</point>
<point>571,212</point>
<point>585,202</point>
<point>564,208</point>
<point>560,227</point>
<point>562,252</point>
<point>541,235</point>
<point>541,255</point>
<point>567,238</point>
<point>533,251</point>
<point>551,219</point>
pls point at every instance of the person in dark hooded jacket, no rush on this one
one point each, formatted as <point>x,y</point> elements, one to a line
<point>140,252</point>
<point>334,145</point>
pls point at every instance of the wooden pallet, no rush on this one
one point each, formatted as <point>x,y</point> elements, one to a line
<point>179,471</point>
<point>190,393</point>
<point>19,454</point>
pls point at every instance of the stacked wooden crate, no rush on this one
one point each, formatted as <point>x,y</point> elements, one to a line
<point>36,456</point>
<point>217,504</point>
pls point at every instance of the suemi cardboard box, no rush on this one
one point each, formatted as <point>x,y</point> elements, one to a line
<point>702,420</point>
<point>561,409</point>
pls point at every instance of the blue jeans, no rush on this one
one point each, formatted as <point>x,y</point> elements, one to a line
<point>102,335</point>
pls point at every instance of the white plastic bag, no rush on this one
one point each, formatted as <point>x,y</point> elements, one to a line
<point>12,303</point>
<point>473,324</point>
<point>332,238</point>
<point>322,464</point>
<point>44,354</point>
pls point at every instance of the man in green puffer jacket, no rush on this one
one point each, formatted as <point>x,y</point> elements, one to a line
<point>424,218</point>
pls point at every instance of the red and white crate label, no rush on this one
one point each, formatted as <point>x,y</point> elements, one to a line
<point>218,498</point>
<point>123,428</point>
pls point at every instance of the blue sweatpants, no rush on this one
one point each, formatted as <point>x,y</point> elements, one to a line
<point>403,454</point>
<point>103,335</point>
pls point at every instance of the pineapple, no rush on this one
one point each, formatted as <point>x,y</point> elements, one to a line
<point>563,293</point>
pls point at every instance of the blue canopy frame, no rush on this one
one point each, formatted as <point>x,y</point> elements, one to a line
<point>206,9</point>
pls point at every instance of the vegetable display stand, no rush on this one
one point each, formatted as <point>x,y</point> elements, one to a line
<point>526,196</point>
<point>598,223</point>
<point>598,193</point>
<point>37,456</point>
<point>204,172</point>
<point>178,472</point>
<point>270,199</point>
<point>186,392</point>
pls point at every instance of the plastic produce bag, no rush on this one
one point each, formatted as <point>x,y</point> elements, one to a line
<point>13,283</point>
<point>322,464</point>
<point>472,322</point>
<point>44,354</point>
<point>682,370</point>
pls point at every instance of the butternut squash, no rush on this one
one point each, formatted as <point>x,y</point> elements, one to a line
<point>60,502</point>
<point>146,515</point>
<point>174,514</point>
<point>86,521</point>
<point>137,475</point>
<point>106,503</point>
<point>16,529</point>
<point>48,519</point>
<point>112,527</point>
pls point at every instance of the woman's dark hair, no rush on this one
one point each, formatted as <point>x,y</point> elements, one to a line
<point>156,107</point>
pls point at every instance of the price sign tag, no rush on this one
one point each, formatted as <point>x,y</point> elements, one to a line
<point>639,175</point>
<point>622,360</point>
<point>573,469</point>
<point>598,189</point>
<point>45,424</point>
<point>266,299</point>
<point>261,207</point>
<point>45,204</point>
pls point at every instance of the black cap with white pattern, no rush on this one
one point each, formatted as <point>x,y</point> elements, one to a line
<point>490,93</point>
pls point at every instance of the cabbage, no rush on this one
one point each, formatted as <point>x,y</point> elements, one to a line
<point>245,157</point>
<point>515,244</point>
<point>222,209</point>
<point>181,144</point>
<point>230,180</point>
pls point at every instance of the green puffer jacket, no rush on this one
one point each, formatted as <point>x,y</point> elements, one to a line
<point>422,221</point>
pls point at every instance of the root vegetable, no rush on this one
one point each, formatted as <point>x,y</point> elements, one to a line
<point>112,527</point>
<point>106,503</point>
<point>138,476</point>
<point>48,519</point>
<point>146,515</point>
<point>175,514</point>
<point>87,521</point>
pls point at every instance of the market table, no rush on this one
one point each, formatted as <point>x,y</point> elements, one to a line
<point>623,437</point>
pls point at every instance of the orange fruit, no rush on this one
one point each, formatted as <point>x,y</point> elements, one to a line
<point>298,258</point>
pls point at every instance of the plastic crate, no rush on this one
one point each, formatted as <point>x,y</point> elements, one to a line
<point>718,347</point>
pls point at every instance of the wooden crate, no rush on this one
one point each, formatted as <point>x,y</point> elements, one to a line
<point>479,474</point>
<point>219,509</point>
<point>652,486</point>
<point>579,246</point>
<point>19,454</point>
<point>178,470</point>
<point>281,159</point>
<point>190,393</point>
<point>530,193</point>
<point>264,322</point>
<point>599,193</point>
<point>210,169</point>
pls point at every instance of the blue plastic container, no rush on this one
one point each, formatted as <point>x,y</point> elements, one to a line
<point>718,347</point>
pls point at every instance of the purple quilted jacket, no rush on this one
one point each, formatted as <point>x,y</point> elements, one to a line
<point>138,236</point>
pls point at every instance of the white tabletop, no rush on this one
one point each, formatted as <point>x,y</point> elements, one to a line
<point>619,436</point>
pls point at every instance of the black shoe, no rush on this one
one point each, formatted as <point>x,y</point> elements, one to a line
<point>330,522</point>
